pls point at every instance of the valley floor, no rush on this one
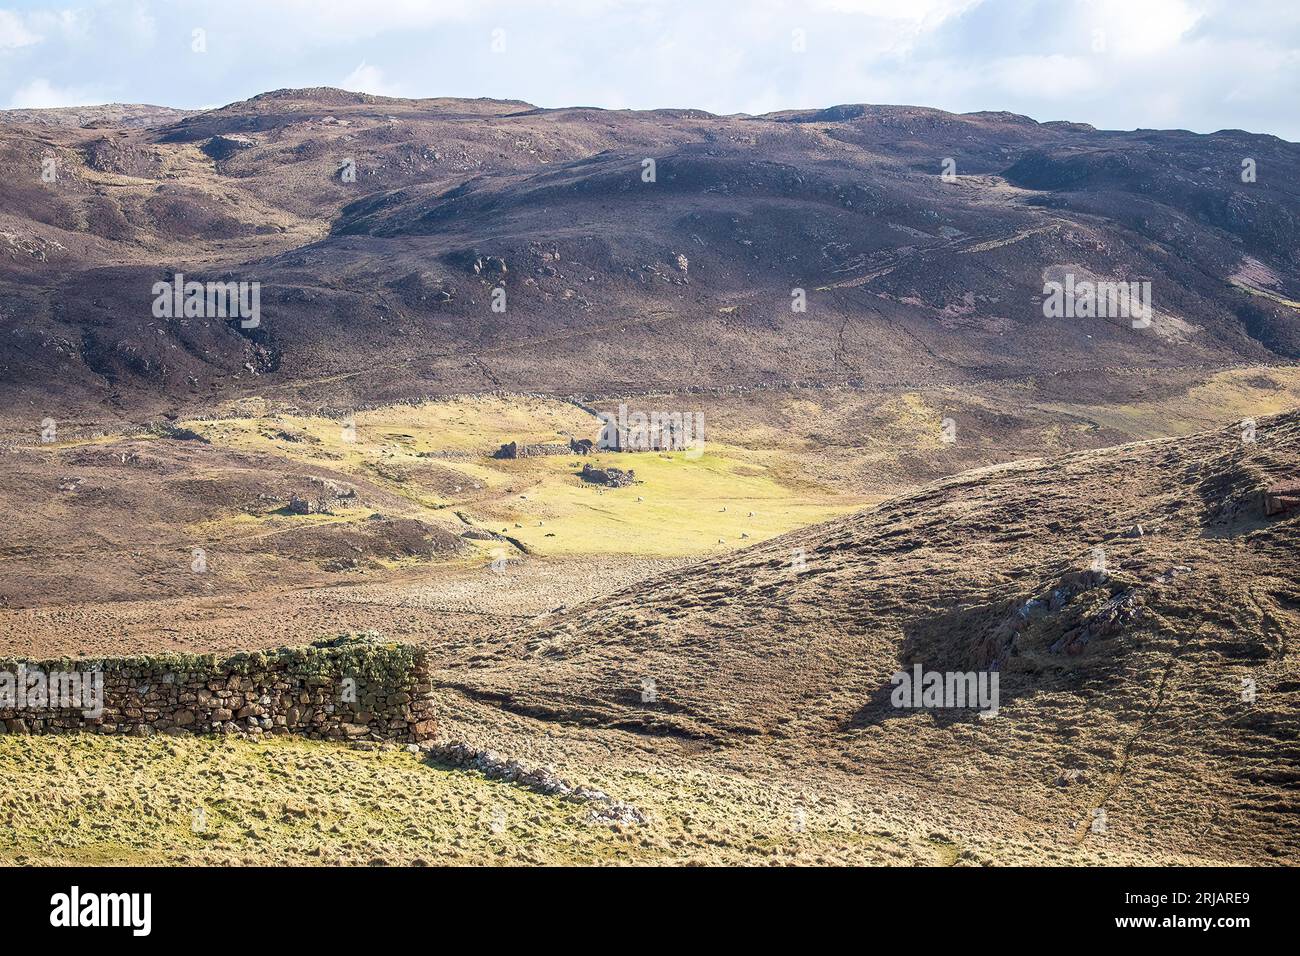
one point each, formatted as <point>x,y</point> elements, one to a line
<point>755,756</point>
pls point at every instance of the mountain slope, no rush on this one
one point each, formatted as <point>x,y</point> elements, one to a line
<point>614,283</point>
<point>1164,690</point>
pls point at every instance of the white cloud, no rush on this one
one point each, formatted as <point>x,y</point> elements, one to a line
<point>1144,29</point>
<point>893,10</point>
<point>1053,77</point>
<point>369,79</point>
<point>40,94</point>
<point>14,33</point>
<point>143,25</point>
<point>343,21</point>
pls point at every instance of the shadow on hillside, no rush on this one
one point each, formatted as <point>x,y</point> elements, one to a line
<point>968,641</point>
<point>880,708</point>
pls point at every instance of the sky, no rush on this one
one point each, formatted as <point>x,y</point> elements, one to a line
<point>1201,65</point>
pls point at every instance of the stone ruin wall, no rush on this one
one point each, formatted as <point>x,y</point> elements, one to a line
<point>336,690</point>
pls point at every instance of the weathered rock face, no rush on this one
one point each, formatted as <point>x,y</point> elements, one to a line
<point>345,689</point>
<point>112,155</point>
<point>613,477</point>
<point>490,266</point>
<point>1282,498</point>
<point>1083,606</point>
<point>223,147</point>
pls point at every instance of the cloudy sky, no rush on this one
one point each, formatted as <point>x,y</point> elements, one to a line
<point>1197,64</point>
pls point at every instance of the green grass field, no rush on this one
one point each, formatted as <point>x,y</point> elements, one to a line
<point>684,504</point>
<point>93,800</point>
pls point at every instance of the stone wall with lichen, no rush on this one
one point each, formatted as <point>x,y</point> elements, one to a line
<point>344,689</point>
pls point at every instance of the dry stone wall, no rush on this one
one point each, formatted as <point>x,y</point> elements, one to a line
<point>344,689</point>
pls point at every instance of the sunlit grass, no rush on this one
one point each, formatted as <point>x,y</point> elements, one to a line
<point>1236,393</point>
<point>684,504</point>
<point>92,800</point>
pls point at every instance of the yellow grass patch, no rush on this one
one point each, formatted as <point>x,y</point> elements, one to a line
<point>688,502</point>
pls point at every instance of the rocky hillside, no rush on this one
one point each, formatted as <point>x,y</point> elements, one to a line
<point>107,115</point>
<point>378,229</point>
<point>1140,609</point>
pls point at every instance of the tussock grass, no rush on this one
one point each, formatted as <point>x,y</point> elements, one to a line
<point>91,800</point>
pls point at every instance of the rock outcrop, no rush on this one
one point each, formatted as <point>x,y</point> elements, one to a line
<point>611,477</point>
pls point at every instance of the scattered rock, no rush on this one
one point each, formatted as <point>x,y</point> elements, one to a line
<point>1281,499</point>
<point>542,780</point>
<point>611,477</point>
<point>1173,573</point>
<point>223,147</point>
<point>489,266</point>
<point>1070,777</point>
